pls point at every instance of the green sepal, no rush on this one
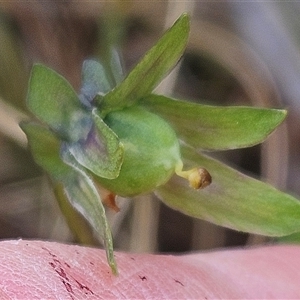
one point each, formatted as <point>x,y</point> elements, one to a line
<point>94,80</point>
<point>100,77</point>
<point>213,127</point>
<point>233,200</point>
<point>53,100</point>
<point>101,152</point>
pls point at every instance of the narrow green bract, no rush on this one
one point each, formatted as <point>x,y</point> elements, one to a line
<point>153,67</point>
<point>233,200</point>
<point>79,188</point>
<point>213,127</point>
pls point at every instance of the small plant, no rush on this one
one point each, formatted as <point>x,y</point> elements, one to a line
<point>117,134</point>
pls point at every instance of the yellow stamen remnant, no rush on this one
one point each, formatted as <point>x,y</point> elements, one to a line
<point>199,178</point>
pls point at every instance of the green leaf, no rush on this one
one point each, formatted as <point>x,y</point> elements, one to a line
<point>78,187</point>
<point>101,152</point>
<point>233,200</point>
<point>94,80</point>
<point>215,128</point>
<point>53,100</point>
<point>146,75</point>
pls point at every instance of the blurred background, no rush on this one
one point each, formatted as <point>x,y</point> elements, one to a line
<point>239,53</point>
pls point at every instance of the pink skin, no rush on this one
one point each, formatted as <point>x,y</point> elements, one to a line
<point>47,270</point>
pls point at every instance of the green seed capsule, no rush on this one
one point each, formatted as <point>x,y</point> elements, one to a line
<point>151,151</point>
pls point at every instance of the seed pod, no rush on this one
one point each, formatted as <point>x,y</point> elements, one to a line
<point>151,151</point>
